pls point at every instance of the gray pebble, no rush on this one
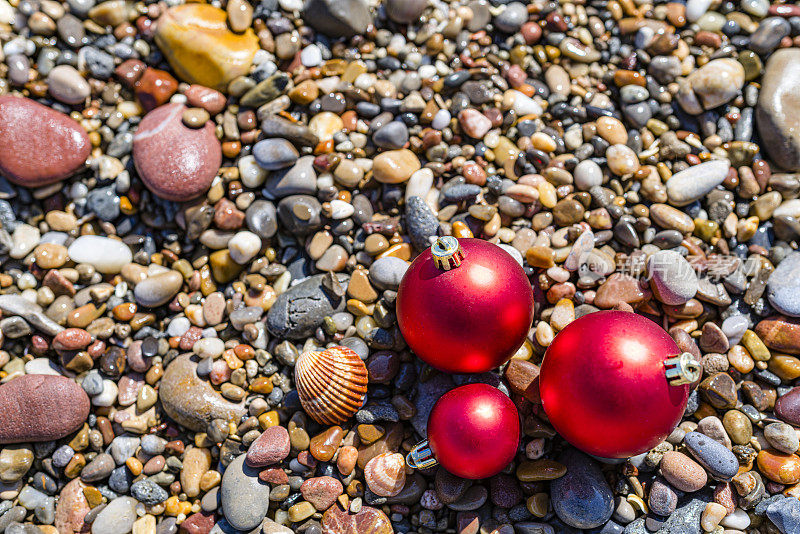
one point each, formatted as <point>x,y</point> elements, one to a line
<point>298,312</point>
<point>244,498</point>
<point>512,17</point>
<point>421,223</point>
<point>261,218</point>
<point>104,203</point>
<point>581,498</point>
<point>783,286</point>
<point>720,462</point>
<point>148,492</point>
<point>386,273</point>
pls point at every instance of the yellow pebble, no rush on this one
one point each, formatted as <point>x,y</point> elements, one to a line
<point>144,525</point>
<point>547,194</point>
<point>210,479</point>
<point>134,465</point>
<point>461,230</point>
<point>125,206</point>
<point>268,419</point>
<point>93,496</point>
<point>175,507</point>
<point>542,141</point>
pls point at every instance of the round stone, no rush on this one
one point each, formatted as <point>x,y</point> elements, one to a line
<point>174,161</point>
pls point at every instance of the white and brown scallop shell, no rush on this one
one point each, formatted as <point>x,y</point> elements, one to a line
<point>386,474</point>
<point>331,384</point>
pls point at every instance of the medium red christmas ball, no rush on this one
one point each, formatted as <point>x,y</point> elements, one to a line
<point>473,431</point>
<point>464,305</point>
<point>615,384</point>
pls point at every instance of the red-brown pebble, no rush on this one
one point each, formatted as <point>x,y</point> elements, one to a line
<point>271,447</point>
<point>175,162</point>
<point>72,339</point>
<point>321,491</point>
<point>204,97</point>
<point>155,88</point>
<point>41,408</point>
<point>49,148</point>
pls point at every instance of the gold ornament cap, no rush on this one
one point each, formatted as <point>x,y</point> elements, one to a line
<point>682,369</point>
<point>447,253</point>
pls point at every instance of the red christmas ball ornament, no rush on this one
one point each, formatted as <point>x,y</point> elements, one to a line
<point>473,432</point>
<point>464,305</point>
<point>614,384</point>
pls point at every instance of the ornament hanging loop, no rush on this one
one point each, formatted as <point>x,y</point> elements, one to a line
<point>447,253</point>
<point>421,456</point>
<point>682,369</point>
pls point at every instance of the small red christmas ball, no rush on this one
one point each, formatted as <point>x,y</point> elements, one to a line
<point>614,384</point>
<point>464,305</point>
<point>473,431</point>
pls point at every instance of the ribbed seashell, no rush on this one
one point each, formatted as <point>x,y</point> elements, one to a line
<point>331,384</point>
<point>386,474</point>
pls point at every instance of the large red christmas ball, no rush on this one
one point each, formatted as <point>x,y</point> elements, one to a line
<point>606,384</point>
<point>467,312</point>
<point>473,431</point>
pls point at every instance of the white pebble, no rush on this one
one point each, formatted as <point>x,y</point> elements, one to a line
<point>341,209</point>
<point>311,56</point>
<point>324,180</point>
<point>250,173</point>
<point>106,255</point>
<point>291,5</point>
<point>23,240</point>
<point>20,45</point>
<point>6,13</point>
<point>209,347</point>
<point>419,184</point>
<point>524,105</point>
<point>516,254</point>
<point>427,71</point>
<point>738,520</point>
<point>244,246</point>
<point>178,326</point>
<point>41,366</point>
<point>261,57</point>
<point>696,9</point>
<point>108,396</point>
<point>441,119</point>
<point>587,175</point>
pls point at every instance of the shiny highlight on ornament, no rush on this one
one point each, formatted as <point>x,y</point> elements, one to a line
<point>331,384</point>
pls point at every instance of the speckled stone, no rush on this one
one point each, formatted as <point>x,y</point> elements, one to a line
<point>49,148</point>
<point>421,223</point>
<point>717,459</point>
<point>174,161</point>
<point>41,408</point>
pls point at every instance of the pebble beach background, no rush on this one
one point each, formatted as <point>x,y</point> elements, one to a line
<point>193,195</point>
